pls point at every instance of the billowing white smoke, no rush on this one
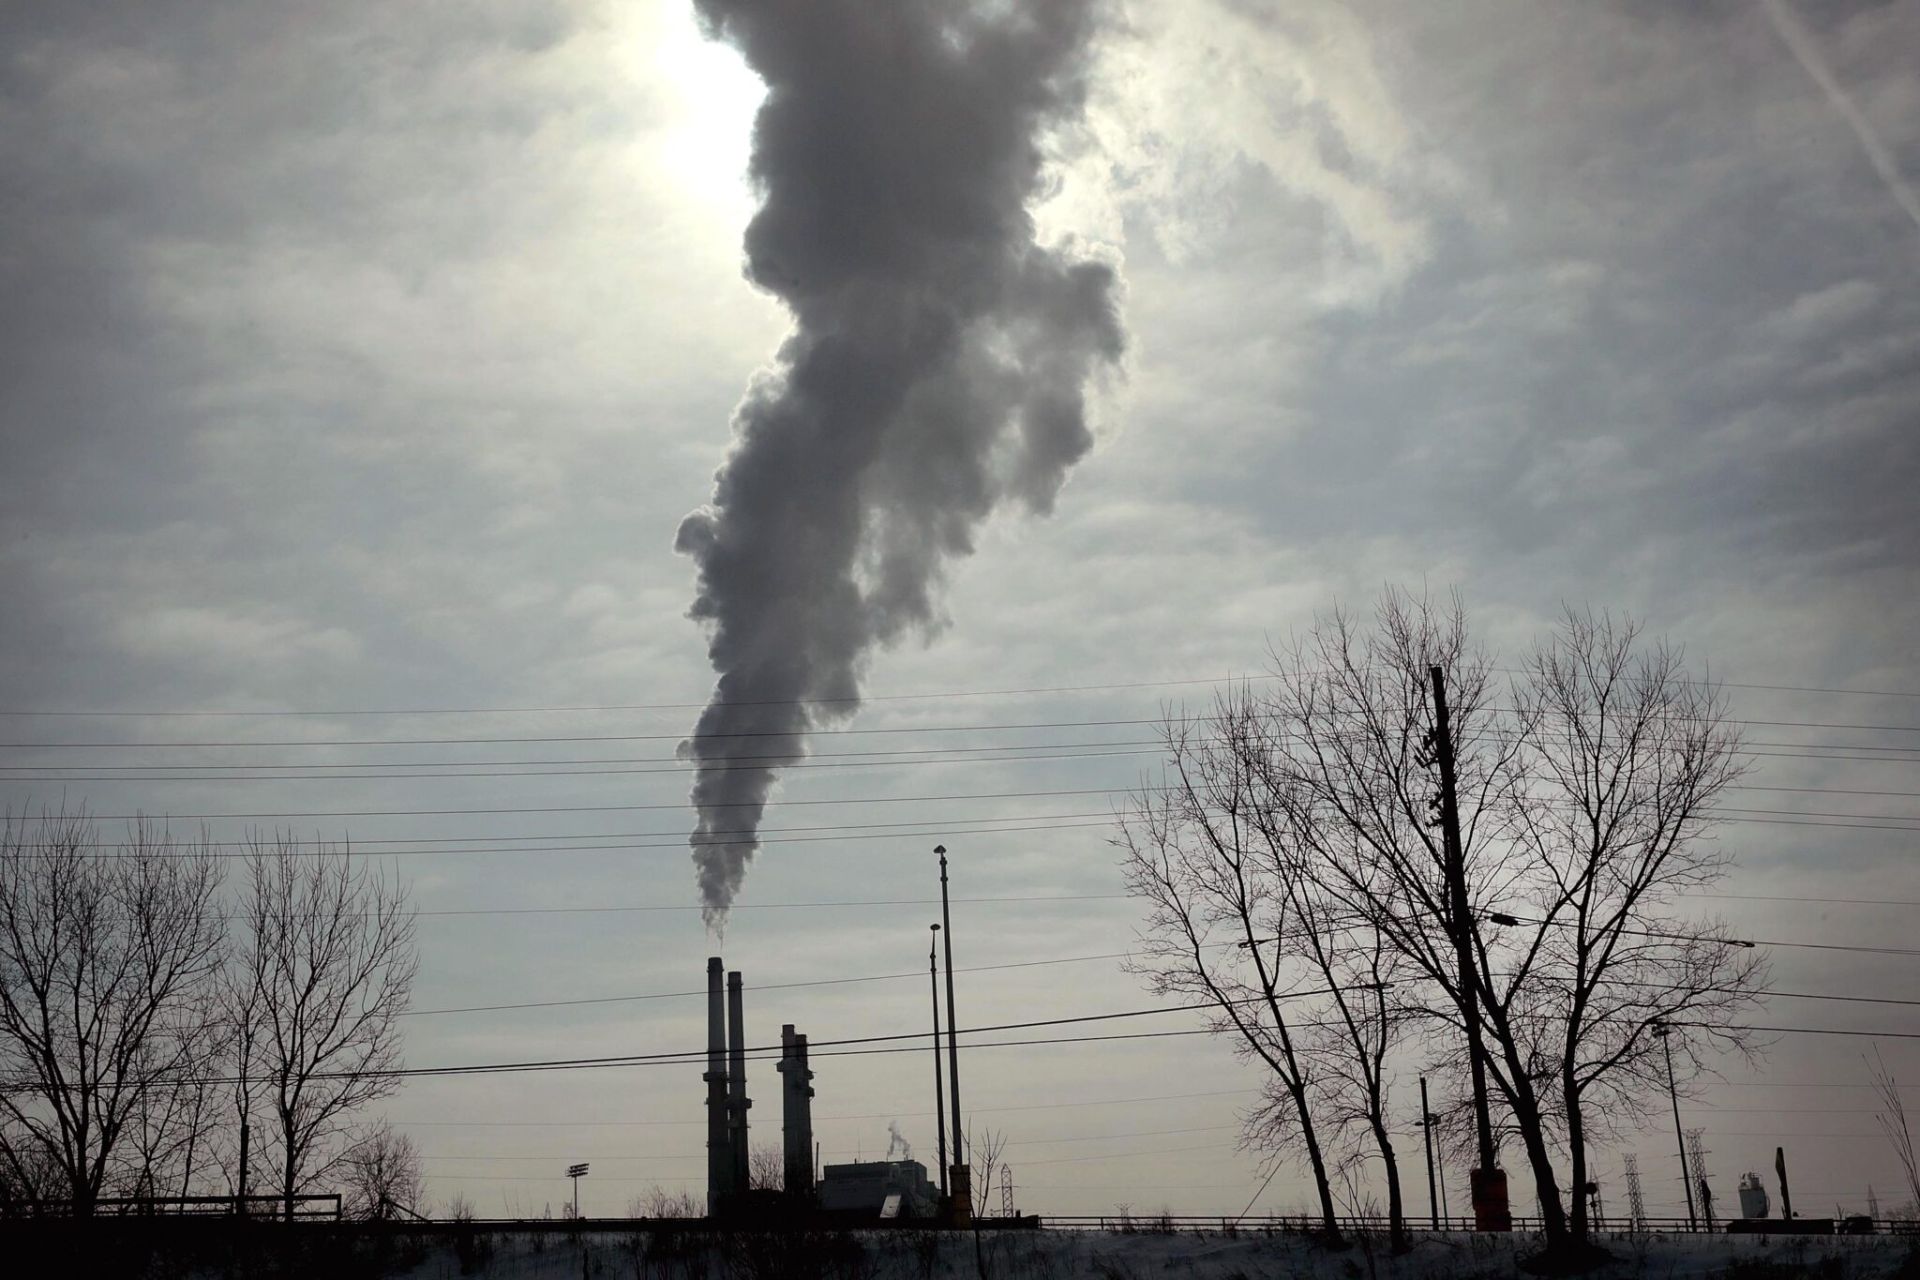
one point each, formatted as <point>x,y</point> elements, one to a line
<point>898,1148</point>
<point>936,369</point>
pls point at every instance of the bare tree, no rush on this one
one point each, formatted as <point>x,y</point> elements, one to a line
<point>171,1138</point>
<point>1892,1118</point>
<point>107,957</point>
<point>658,1202</point>
<point>380,1173</point>
<point>1362,1023</point>
<point>327,962</point>
<point>1583,805</point>
<point>766,1168</point>
<point>1200,852</point>
<point>1623,755</point>
<point>985,1146</point>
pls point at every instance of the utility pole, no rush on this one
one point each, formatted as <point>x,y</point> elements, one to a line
<point>961,1187</point>
<point>1661,1031</point>
<point>1489,1183</point>
<point>1426,1126</point>
<point>939,1098</point>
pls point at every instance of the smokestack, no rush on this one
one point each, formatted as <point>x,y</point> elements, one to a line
<point>936,371</point>
<point>719,1141</point>
<point>796,1112</point>
<point>737,1102</point>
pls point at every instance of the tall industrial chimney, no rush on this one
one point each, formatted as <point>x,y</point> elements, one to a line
<point>719,1139</point>
<point>796,1112</point>
<point>737,1102</point>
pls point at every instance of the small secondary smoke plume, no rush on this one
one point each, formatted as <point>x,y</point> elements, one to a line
<point>936,369</point>
<point>898,1148</point>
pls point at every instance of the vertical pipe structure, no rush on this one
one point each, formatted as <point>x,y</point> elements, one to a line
<point>962,1194</point>
<point>737,1102</point>
<point>796,1113</point>
<point>719,1141</point>
<point>939,1095</point>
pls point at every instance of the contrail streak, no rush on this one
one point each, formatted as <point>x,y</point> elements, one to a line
<point>1800,41</point>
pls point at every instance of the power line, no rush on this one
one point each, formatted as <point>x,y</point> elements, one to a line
<point>1774,816</point>
<point>816,733</point>
<point>769,986</point>
<point>784,763</point>
<point>701,1155</point>
<point>860,1046</point>
<point>1025,964</point>
<point>775,906</point>
<point>871,1115</point>
<point>684,840</point>
<point>595,708</point>
<point>1504,918</point>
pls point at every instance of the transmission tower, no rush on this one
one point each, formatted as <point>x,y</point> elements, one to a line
<point>1636,1203</point>
<point>1697,1161</point>
<point>1006,1192</point>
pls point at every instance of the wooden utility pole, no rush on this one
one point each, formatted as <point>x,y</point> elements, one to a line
<point>1426,1126</point>
<point>1488,1182</point>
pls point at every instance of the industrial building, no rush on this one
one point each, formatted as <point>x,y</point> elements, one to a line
<point>879,1188</point>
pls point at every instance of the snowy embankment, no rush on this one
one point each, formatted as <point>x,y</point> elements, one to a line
<point>1097,1255</point>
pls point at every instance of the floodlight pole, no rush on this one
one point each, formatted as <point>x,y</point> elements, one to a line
<point>576,1172</point>
<point>962,1190</point>
<point>1661,1031</point>
<point>939,1097</point>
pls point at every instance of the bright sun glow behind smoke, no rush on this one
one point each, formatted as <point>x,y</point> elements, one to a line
<point>713,97</point>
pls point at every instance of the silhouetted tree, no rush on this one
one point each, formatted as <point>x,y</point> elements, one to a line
<point>985,1146</point>
<point>766,1168</point>
<point>1892,1118</point>
<point>1297,829</point>
<point>1212,878</point>
<point>107,956</point>
<point>380,1173</point>
<point>1585,803</point>
<point>326,961</point>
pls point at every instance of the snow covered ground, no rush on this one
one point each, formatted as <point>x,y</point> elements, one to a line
<point>1071,1255</point>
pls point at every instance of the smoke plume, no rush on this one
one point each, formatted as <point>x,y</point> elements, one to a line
<point>935,370</point>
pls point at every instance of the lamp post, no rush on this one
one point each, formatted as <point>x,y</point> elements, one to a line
<point>961,1187</point>
<point>1660,1032</point>
<point>576,1172</point>
<point>939,1098</point>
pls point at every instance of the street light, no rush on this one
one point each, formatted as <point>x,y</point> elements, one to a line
<point>1660,1032</point>
<point>960,1188</point>
<point>939,1096</point>
<point>576,1172</point>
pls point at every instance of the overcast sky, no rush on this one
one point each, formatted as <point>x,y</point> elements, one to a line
<point>366,358</point>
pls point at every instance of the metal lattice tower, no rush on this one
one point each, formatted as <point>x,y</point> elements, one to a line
<point>1873,1204</point>
<point>1006,1192</point>
<point>1636,1203</point>
<point>1697,1163</point>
